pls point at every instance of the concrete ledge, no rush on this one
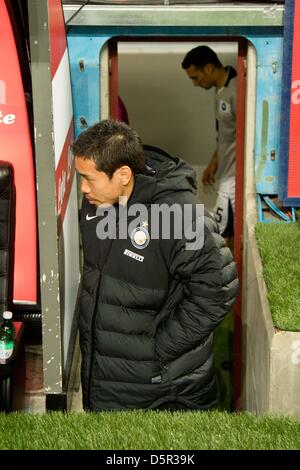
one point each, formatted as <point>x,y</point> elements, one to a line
<point>271,357</point>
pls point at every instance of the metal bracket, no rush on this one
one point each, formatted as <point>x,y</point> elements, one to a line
<point>275,214</point>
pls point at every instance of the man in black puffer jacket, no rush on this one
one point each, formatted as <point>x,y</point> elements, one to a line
<point>150,298</point>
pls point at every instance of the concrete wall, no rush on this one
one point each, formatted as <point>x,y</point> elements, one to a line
<point>271,381</point>
<point>271,358</point>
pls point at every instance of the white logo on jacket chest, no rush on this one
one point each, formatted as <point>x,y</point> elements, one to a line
<point>90,217</point>
<point>133,255</point>
<point>140,237</point>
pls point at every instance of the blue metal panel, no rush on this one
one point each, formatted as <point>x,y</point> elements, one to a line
<point>85,49</point>
<point>268,101</point>
<point>85,44</point>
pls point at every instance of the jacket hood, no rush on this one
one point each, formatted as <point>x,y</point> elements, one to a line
<point>165,175</point>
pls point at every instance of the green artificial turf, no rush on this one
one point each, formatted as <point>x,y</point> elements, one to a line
<point>147,430</point>
<point>279,246</point>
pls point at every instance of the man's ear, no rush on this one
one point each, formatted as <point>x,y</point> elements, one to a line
<point>209,68</point>
<point>125,174</point>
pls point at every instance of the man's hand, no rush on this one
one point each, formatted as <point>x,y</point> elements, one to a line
<point>208,175</point>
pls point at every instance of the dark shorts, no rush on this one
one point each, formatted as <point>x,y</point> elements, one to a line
<point>229,229</point>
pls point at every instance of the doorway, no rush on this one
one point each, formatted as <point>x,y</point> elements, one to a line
<point>146,73</point>
<point>156,90</point>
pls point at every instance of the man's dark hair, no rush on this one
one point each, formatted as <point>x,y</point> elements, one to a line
<point>111,144</point>
<point>201,56</point>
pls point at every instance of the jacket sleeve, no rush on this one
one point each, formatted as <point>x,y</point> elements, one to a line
<point>205,285</point>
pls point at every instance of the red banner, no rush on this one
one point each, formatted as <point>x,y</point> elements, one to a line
<point>294,143</point>
<point>15,147</point>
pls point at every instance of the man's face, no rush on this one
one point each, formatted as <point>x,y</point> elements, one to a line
<point>96,185</point>
<point>200,77</point>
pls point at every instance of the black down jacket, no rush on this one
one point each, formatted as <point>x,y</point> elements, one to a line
<point>147,314</point>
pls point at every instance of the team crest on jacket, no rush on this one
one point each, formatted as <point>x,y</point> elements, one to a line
<point>140,237</point>
<point>224,107</point>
